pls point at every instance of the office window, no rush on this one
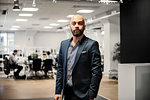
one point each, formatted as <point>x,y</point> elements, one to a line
<point>6,41</point>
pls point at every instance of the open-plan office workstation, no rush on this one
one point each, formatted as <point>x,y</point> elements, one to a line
<point>35,28</point>
<point>38,27</point>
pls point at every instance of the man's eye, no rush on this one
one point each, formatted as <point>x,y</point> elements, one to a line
<point>80,23</point>
<point>73,23</point>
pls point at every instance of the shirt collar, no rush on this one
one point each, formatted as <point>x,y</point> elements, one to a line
<point>82,38</point>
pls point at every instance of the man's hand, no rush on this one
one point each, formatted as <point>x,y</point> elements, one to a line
<point>57,97</point>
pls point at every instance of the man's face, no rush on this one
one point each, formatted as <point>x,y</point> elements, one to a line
<point>77,26</point>
<point>15,53</point>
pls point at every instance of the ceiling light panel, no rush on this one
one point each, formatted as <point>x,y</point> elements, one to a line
<point>27,15</point>
<point>53,24</point>
<point>62,21</point>
<point>13,29</point>
<point>30,9</point>
<point>85,11</point>
<point>15,26</point>
<point>47,27</point>
<point>110,1</point>
<point>21,20</point>
<point>70,16</point>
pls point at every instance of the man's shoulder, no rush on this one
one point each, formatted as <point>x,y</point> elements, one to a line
<point>10,56</point>
<point>65,41</point>
<point>91,41</point>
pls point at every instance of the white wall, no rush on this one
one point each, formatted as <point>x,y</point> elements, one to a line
<point>111,36</point>
<point>39,39</point>
<point>114,38</point>
<point>24,39</point>
<point>49,40</point>
<point>20,39</point>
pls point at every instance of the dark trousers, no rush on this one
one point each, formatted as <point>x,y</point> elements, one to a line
<point>19,68</point>
<point>69,94</point>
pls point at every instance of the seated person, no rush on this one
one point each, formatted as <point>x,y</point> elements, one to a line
<point>44,56</point>
<point>35,55</point>
<point>31,58</point>
<point>14,64</point>
<point>50,56</point>
<point>47,64</point>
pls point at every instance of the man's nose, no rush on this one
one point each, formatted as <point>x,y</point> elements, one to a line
<point>77,26</point>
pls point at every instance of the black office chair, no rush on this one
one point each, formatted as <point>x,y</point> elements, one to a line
<point>47,66</point>
<point>36,65</point>
<point>7,67</point>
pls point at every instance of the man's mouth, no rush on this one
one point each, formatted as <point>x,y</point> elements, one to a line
<point>77,30</point>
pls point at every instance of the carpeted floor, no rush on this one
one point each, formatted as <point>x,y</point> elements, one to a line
<point>98,98</point>
<point>43,89</point>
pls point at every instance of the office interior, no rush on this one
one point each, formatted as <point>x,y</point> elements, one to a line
<point>43,30</point>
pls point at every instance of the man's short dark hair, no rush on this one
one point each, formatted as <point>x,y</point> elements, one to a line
<point>48,52</point>
<point>15,50</point>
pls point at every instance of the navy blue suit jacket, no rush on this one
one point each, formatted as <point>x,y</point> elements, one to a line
<point>86,75</point>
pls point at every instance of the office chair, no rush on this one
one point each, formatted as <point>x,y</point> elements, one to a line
<point>7,67</point>
<point>36,65</point>
<point>47,66</point>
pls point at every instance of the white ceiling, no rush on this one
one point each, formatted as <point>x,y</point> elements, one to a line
<point>51,12</point>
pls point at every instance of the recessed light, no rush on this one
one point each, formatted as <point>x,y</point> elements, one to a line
<point>15,26</point>
<point>48,27</point>
<point>53,24</point>
<point>108,1</point>
<point>70,16</point>
<point>21,20</point>
<point>62,21</point>
<point>13,29</point>
<point>30,9</point>
<point>28,15</point>
<point>85,11</point>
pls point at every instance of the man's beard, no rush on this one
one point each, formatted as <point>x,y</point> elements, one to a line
<point>77,32</point>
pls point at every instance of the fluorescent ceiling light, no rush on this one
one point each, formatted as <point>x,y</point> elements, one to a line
<point>109,1</point>
<point>53,24</point>
<point>15,26</point>
<point>21,20</point>
<point>62,21</point>
<point>13,29</point>
<point>70,16</point>
<point>85,11</point>
<point>30,9</point>
<point>28,15</point>
<point>48,27</point>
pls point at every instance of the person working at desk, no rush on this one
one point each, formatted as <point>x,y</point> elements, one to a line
<point>35,55</point>
<point>14,64</point>
<point>50,56</point>
<point>79,65</point>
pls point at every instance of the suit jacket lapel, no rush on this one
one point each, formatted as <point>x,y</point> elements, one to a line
<point>79,51</point>
<point>66,46</point>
